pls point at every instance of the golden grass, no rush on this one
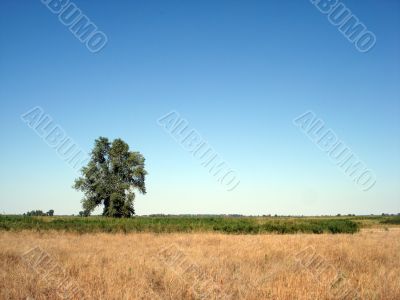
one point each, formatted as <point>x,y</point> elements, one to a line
<point>189,266</point>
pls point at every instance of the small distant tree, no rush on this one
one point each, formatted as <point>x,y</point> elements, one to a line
<point>110,178</point>
<point>50,212</point>
<point>83,213</point>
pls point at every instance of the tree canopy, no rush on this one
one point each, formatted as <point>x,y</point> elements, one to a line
<point>110,178</point>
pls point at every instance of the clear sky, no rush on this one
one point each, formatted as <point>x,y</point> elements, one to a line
<point>238,71</point>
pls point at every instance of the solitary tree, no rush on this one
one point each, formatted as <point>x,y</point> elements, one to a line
<point>110,178</point>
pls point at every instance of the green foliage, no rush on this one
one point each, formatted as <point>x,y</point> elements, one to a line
<point>110,178</point>
<point>393,220</point>
<point>238,225</point>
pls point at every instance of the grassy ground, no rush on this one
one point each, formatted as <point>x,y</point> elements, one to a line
<point>364,265</point>
<point>232,225</point>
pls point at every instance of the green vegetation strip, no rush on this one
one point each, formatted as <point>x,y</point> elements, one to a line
<point>242,225</point>
<point>393,220</point>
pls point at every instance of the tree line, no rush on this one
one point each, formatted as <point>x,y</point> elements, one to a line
<point>39,213</point>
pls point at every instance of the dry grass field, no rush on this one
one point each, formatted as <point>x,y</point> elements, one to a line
<point>49,265</point>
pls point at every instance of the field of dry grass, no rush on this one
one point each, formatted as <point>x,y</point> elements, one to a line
<point>35,265</point>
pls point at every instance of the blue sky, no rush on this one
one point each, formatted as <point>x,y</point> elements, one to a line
<point>238,71</point>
